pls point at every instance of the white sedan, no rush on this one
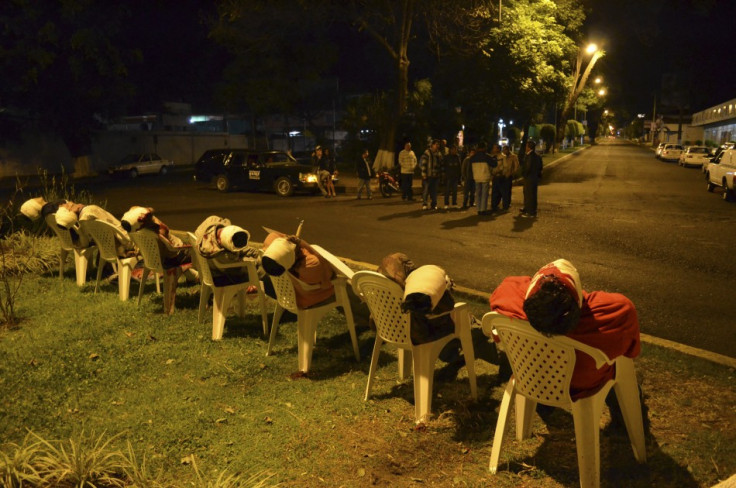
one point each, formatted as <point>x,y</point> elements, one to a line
<point>695,156</point>
<point>134,164</point>
<point>671,152</point>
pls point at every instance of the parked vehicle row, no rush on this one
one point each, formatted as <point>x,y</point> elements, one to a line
<point>722,173</point>
<point>719,166</point>
<point>255,171</point>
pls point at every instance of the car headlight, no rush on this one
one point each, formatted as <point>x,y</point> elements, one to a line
<point>308,177</point>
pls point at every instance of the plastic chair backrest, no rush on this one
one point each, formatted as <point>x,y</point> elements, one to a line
<point>147,242</point>
<point>103,234</point>
<point>384,298</point>
<point>543,366</point>
<point>200,262</point>
<point>63,234</point>
<point>284,288</point>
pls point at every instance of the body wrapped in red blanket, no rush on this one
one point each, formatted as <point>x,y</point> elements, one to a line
<point>608,321</point>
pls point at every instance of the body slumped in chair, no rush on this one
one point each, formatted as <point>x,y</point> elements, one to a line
<point>393,326</point>
<point>307,285</point>
<point>223,293</point>
<point>107,239</point>
<point>567,348</point>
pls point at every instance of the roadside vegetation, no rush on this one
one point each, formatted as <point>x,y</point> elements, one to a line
<point>97,391</point>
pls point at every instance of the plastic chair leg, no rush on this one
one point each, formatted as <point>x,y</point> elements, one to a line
<point>503,414</point>
<point>306,330</point>
<point>627,393</point>
<point>80,266</point>
<point>170,282</point>
<point>62,260</point>
<point>144,277</point>
<point>525,409</point>
<point>99,276</point>
<point>219,311</point>
<point>204,295</point>
<point>424,360</point>
<point>343,301</point>
<point>586,414</point>
<point>374,366</point>
<point>466,342</point>
<point>277,312</point>
<point>264,312</point>
<point>124,273</point>
<point>405,362</point>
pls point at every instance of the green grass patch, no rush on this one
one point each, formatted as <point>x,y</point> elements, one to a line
<point>186,411</point>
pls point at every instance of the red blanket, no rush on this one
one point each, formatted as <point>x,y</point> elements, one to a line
<point>608,322</point>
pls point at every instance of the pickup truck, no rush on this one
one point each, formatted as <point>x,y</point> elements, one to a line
<point>722,172</point>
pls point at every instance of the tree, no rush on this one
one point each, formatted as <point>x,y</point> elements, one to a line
<point>61,65</point>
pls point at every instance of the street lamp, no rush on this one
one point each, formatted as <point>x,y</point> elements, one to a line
<point>579,79</point>
<point>602,92</point>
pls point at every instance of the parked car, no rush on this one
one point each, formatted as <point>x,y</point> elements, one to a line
<point>658,151</point>
<point>671,152</point>
<point>254,170</point>
<point>722,172</point>
<point>695,156</point>
<point>139,164</point>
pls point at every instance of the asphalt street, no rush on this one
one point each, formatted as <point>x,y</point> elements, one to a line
<point>630,223</point>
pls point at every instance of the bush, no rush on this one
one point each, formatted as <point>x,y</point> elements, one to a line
<point>547,132</point>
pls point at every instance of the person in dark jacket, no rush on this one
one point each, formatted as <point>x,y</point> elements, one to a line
<point>365,173</point>
<point>452,166</point>
<point>532,173</point>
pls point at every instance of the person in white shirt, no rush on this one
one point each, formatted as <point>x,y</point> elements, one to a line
<point>407,162</point>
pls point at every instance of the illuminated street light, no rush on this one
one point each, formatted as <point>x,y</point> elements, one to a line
<point>591,48</point>
<point>598,80</point>
<point>602,92</point>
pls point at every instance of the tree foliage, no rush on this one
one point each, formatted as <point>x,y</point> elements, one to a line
<point>62,65</point>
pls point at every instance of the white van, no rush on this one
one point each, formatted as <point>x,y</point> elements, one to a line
<point>722,172</point>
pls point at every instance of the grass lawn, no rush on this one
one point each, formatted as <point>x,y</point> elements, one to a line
<point>87,364</point>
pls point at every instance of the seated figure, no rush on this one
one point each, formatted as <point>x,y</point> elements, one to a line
<point>554,303</point>
<point>173,251</point>
<point>427,296</point>
<point>70,214</point>
<point>225,245</point>
<point>310,272</point>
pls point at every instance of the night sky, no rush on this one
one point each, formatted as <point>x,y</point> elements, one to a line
<point>650,43</point>
<point>684,42</point>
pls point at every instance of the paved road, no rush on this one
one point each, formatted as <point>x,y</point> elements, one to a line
<point>630,223</point>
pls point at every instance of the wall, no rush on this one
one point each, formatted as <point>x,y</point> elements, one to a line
<point>36,152</point>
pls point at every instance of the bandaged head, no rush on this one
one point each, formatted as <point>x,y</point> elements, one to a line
<point>133,219</point>
<point>66,218</point>
<point>234,238</point>
<point>554,298</point>
<point>279,256</point>
<point>32,208</point>
<point>425,286</point>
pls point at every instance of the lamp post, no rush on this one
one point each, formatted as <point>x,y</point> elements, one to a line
<point>579,79</point>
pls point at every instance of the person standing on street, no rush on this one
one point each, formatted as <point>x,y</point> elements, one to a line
<point>468,181</point>
<point>431,166</point>
<point>532,173</point>
<point>407,163</point>
<point>482,165</point>
<point>319,164</point>
<point>365,173</point>
<point>452,168</point>
<point>511,167</point>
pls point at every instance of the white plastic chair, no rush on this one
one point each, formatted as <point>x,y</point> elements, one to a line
<point>104,235</point>
<point>393,326</point>
<point>223,295</point>
<point>543,368</point>
<point>308,318</point>
<point>82,257</point>
<point>147,242</point>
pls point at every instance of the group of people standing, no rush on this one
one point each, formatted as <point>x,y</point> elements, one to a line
<point>483,173</point>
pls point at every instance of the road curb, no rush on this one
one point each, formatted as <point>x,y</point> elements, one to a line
<point>720,359</point>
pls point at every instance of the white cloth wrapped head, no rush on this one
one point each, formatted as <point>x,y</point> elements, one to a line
<point>234,238</point>
<point>133,219</point>
<point>282,252</point>
<point>565,272</point>
<point>66,218</point>
<point>32,208</point>
<point>428,280</point>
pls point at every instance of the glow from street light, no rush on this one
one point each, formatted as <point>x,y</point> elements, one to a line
<point>598,80</point>
<point>591,48</point>
<point>602,91</point>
